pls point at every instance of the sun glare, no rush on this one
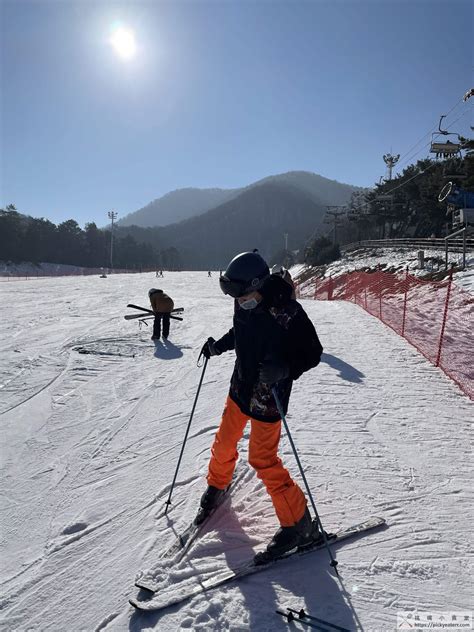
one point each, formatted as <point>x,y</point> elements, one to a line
<point>123,43</point>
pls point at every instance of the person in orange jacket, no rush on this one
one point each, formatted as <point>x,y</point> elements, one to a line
<point>162,305</point>
<point>274,342</point>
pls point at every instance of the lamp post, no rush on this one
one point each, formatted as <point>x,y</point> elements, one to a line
<point>390,161</point>
<point>112,216</point>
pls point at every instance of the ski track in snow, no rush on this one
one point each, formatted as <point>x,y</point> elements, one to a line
<point>93,416</point>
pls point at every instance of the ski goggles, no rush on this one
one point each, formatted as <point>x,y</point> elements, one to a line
<point>237,289</point>
<point>232,288</point>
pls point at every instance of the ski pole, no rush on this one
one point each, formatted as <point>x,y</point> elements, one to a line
<point>318,519</point>
<point>168,502</point>
<point>289,618</point>
<point>302,615</point>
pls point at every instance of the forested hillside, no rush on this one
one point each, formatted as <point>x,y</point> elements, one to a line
<point>279,215</point>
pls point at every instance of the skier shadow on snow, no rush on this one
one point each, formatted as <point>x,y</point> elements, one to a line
<point>166,350</point>
<point>303,582</point>
<point>308,582</point>
<point>346,371</point>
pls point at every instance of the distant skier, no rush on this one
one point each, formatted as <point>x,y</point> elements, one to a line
<point>286,276</point>
<point>209,273</point>
<point>274,342</point>
<point>162,305</point>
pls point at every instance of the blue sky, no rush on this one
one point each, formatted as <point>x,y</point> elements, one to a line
<point>219,94</point>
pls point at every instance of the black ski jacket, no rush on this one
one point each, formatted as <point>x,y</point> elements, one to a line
<point>279,330</point>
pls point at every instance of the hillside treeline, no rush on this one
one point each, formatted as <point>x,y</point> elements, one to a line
<point>406,206</point>
<point>261,216</point>
<point>24,238</point>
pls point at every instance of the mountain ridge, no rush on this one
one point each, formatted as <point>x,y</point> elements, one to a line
<point>175,206</point>
<point>257,218</point>
<point>182,204</point>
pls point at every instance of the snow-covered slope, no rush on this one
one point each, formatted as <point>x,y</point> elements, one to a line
<point>92,422</point>
<point>396,260</point>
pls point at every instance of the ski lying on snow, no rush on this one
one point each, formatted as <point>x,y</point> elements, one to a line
<point>132,316</point>
<point>182,544</point>
<point>148,316</point>
<point>171,596</point>
<point>147,309</point>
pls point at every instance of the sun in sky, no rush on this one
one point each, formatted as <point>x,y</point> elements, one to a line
<point>123,42</point>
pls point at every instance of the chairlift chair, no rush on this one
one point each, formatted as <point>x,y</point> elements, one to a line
<point>446,149</point>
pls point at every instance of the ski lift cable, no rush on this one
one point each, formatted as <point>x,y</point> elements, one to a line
<point>430,133</point>
<point>427,168</point>
<point>429,143</point>
<point>410,158</point>
<point>433,129</point>
<point>412,178</point>
<point>468,111</point>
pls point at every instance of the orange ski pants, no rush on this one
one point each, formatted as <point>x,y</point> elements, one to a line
<point>288,499</point>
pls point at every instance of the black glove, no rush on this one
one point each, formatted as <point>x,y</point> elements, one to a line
<point>272,371</point>
<point>209,349</point>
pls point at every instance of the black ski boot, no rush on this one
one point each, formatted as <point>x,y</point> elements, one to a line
<point>286,539</point>
<point>210,500</point>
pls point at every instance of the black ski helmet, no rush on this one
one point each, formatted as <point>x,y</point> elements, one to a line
<point>245,273</point>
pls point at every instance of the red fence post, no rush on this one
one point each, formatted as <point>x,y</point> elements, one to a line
<point>330,288</point>
<point>445,316</point>
<point>405,303</point>
<point>380,294</point>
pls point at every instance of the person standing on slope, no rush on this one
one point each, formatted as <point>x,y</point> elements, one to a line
<point>275,342</point>
<point>162,305</point>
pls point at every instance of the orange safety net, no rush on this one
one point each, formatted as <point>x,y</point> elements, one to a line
<point>436,317</point>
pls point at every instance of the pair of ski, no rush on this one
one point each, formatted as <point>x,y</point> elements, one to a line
<point>169,596</point>
<point>148,313</point>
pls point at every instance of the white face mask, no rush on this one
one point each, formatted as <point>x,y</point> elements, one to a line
<point>251,303</point>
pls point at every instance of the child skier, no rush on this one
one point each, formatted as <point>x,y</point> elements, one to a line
<point>274,342</point>
<point>162,305</point>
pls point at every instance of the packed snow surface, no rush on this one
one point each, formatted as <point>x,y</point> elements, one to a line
<point>93,417</point>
